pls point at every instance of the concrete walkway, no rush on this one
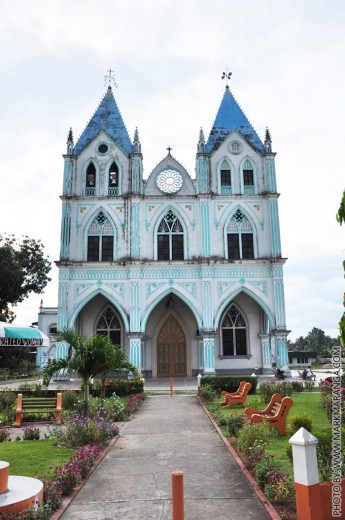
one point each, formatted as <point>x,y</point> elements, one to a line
<point>133,481</point>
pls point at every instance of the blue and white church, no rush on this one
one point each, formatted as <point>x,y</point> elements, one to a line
<point>186,273</point>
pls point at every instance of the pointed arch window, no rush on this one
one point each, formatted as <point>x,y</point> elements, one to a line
<point>100,240</point>
<point>170,238</point>
<point>90,181</point>
<point>240,237</point>
<point>248,178</point>
<point>113,179</point>
<point>234,333</point>
<point>109,325</point>
<point>225,178</point>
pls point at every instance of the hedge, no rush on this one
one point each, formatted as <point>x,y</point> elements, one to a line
<point>121,387</point>
<point>229,383</point>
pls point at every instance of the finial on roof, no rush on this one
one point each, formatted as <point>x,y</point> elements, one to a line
<point>136,141</point>
<point>70,142</point>
<point>70,136</point>
<point>109,79</point>
<point>169,149</point>
<point>201,142</point>
<point>227,76</point>
<point>268,141</point>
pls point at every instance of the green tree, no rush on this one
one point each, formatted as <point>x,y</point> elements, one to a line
<point>23,269</point>
<point>88,358</point>
<point>340,216</point>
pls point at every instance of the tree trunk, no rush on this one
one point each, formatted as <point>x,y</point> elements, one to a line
<point>86,397</point>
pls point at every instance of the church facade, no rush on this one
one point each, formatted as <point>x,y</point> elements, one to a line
<point>185,273</point>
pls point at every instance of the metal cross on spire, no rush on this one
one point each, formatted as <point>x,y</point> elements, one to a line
<point>227,76</point>
<point>169,149</point>
<point>109,79</point>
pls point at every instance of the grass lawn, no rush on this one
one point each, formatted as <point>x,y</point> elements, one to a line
<point>309,402</point>
<point>33,458</point>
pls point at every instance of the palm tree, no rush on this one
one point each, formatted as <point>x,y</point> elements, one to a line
<point>88,358</point>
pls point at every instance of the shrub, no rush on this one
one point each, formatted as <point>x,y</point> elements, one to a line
<point>280,489</point>
<point>309,385</point>
<point>267,389</point>
<point>297,386</point>
<point>79,430</point>
<point>250,433</point>
<point>207,393</point>
<point>302,420</point>
<point>134,402</point>
<point>70,400</point>
<point>228,383</point>
<point>4,433</point>
<point>7,400</point>
<point>235,422</point>
<point>31,433</point>
<point>121,387</point>
<point>114,408</point>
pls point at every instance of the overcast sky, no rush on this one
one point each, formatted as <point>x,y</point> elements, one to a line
<point>287,60</point>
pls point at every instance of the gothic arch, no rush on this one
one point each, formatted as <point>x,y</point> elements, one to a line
<point>172,315</point>
<point>119,309</point>
<point>234,320</point>
<point>107,173</point>
<point>254,230</point>
<point>88,225</point>
<point>87,185</point>
<point>163,295</point>
<point>159,219</point>
<point>248,164</point>
<point>227,301</point>
<point>225,187</point>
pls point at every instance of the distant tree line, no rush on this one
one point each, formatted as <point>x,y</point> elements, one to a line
<point>315,341</point>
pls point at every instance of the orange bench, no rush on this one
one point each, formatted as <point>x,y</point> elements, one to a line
<point>270,410</point>
<point>279,419</point>
<point>38,405</point>
<point>238,397</point>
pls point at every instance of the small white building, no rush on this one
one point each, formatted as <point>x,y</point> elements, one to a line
<point>186,273</point>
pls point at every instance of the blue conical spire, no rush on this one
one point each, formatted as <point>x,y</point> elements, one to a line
<point>108,118</point>
<point>229,117</point>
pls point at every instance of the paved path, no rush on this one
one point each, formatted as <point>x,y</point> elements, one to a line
<point>133,482</point>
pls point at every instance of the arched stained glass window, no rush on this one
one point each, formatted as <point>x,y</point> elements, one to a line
<point>240,237</point>
<point>109,325</point>
<point>170,238</point>
<point>100,240</point>
<point>90,181</point>
<point>234,333</point>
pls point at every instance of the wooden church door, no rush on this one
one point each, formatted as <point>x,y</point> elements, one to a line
<point>171,350</point>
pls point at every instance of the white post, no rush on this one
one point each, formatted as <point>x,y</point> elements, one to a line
<point>306,476</point>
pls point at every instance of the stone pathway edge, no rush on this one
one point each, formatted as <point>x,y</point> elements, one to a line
<point>259,493</point>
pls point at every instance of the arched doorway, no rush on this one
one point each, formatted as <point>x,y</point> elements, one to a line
<point>171,350</point>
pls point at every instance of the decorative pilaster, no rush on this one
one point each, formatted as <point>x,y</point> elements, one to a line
<point>275,229</point>
<point>209,358</point>
<point>205,229</point>
<point>280,343</point>
<point>135,230</point>
<point>207,305</point>
<point>266,352</point>
<point>65,231</point>
<point>135,352</point>
<point>135,310</point>
<point>279,302</point>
